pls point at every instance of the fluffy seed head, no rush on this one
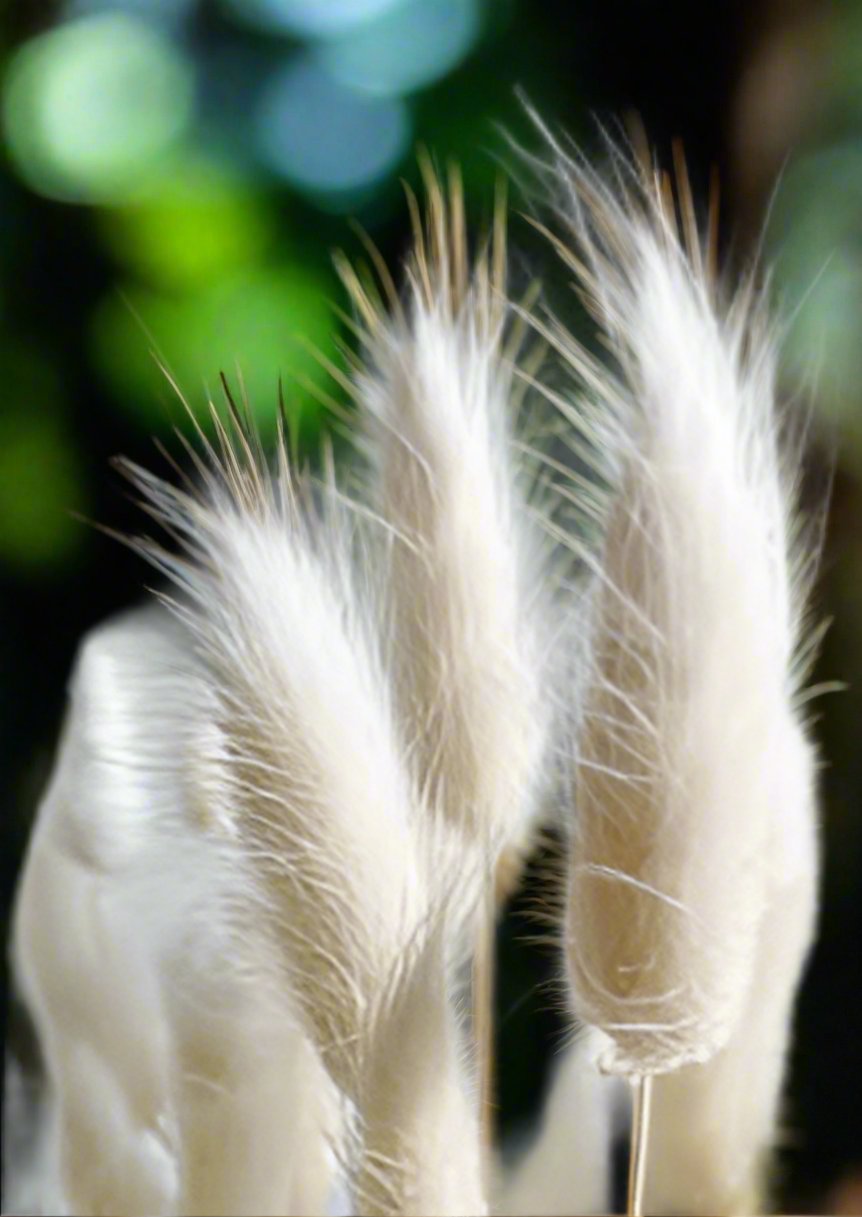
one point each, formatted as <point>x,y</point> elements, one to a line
<point>689,724</point>
<point>464,571</point>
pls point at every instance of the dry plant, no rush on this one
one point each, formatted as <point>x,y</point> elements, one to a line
<point>286,797</point>
<point>358,883</point>
<point>465,565</point>
<point>694,829</point>
<point>139,958</point>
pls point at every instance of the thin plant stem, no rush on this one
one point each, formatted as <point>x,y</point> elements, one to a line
<point>641,1095</point>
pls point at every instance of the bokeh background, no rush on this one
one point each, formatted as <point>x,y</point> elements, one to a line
<point>174,176</point>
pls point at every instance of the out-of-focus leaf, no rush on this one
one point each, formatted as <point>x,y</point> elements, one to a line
<point>93,106</point>
<point>194,224</point>
<point>41,481</point>
<point>816,237</point>
<point>261,321</point>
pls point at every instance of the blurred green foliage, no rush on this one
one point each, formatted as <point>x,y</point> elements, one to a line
<point>815,230</point>
<point>210,152</point>
<point>91,106</point>
<point>40,481</point>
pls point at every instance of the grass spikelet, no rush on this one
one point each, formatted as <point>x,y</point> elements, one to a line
<point>150,990</point>
<point>465,573</point>
<point>327,811</point>
<point>312,756</point>
<point>714,1125</point>
<point>435,397</point>
<point>687,824</point>
<point>421,1127</point>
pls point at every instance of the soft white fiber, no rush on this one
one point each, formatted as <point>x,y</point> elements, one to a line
<point>347,861</point>
<point>689,726</point>
<point>151,993</point>
<point>714,1125</point>
<point>465,563</point>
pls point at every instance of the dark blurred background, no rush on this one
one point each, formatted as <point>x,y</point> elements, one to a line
<point>174,177</point>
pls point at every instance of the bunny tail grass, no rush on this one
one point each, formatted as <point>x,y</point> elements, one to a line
<point>695,782</point>
<point>464,571</point>
<point>175,1083</point>
<point>315,771</point>
<point>434,392</point>
<point>324,804</point>
<point>420,1121</point>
